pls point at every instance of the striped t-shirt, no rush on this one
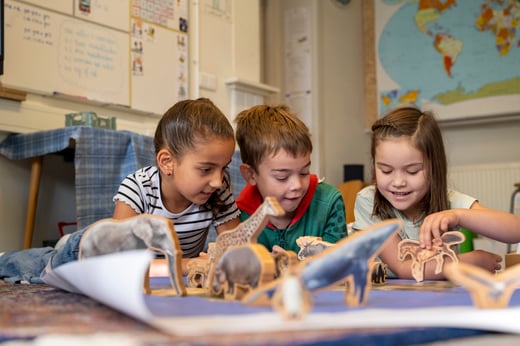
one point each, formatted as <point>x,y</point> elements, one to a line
<point>141,191</point>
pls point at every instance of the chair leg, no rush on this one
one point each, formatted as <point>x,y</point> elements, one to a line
<point>34,188</point>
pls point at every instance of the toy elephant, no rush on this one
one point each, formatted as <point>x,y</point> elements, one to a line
<point>242,268</point>
<point>143,231</point>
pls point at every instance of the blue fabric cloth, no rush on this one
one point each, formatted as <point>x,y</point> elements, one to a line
<point>102,159</point>
<point>237,181</point>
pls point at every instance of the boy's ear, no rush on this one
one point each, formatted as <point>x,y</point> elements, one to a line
<point>248,173</point>
<point>165,161</point>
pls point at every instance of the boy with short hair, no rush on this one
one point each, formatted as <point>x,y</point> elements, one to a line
<point>275,147</point>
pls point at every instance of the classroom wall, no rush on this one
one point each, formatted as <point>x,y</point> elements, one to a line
<point>230,46</point>
<point>343,137</point>
<point>338,128</point>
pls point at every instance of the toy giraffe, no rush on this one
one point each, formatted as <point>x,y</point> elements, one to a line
<point>246,232</point>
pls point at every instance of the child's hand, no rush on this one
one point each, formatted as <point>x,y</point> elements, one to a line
<point>434,225</point>
<point>483,259</point>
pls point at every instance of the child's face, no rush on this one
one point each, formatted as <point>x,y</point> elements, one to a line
<point>284,177</point>
<point>401,174</point>
<point>200,171</point>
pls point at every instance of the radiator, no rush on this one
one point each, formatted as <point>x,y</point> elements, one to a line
<point>492,184</point>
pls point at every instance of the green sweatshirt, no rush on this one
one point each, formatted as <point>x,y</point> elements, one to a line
<point>321,213</point>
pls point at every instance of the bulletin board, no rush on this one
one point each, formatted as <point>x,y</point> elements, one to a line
<point>459,60</point>
<point>126,53</point>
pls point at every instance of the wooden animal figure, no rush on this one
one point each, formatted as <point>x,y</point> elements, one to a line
<point>349,260</point>
<point>283,259</point>
<point>379,273</point>
<point>247,231</point>
<point>488,291</point>
<point>419,256</point>
<point>291,299</point>
<point>198,269</point>
<point>242,268</point>
<point>143,231</point>
<point>310,246</point>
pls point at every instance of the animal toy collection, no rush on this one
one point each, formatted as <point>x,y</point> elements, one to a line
<point>348,262</point>
<point>237,268</point>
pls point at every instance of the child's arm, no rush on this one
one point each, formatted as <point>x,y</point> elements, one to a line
<point>123,211</point>
<point>483,259</point>
<point>494,224</point>
<point>226,226</point>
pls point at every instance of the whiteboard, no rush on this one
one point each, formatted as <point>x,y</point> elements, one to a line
<point>149,59</point>
<point>113,13</point>
<point>48,52</point>
<point>117,52</point>
<point>63,6</point>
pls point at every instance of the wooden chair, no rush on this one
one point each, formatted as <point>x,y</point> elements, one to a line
<point>349,190</point>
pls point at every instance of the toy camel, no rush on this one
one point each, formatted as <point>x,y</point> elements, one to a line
<point>488,291</point>
<point>411,248</point>
<point>246,232</point>
<point>143,231</point>
<point>349,260</point>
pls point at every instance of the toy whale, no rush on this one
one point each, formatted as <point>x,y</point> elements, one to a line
<point>349,260</point>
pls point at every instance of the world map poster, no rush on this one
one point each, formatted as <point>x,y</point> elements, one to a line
<point>458,58</point>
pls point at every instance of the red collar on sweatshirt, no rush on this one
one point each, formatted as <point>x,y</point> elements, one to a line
<point>250,199</point>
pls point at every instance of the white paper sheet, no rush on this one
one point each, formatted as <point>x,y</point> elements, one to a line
<point>115,280</point>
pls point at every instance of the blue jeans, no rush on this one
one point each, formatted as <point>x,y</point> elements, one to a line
<point>26,265</point>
